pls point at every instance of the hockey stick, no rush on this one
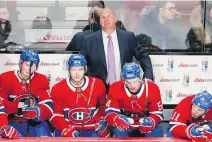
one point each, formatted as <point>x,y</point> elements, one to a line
<point>204,126</point>
<point>145,105</point>
<point>206,122</point>
<point>29,94</point>
<point>146,100</point>
<point>89,99</point>
<point>85,127</point>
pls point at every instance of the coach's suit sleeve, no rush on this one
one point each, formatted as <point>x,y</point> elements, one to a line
<point>75,43</point>
<point>84,49</point>
<point>143,57</point>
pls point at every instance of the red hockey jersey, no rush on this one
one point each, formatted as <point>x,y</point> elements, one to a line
<point>77,106</point>
<point>119,98</point>
<point>181,117</point>
<point>3,115</point>
<point>13,90</point>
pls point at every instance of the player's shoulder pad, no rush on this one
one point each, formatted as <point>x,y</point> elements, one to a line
<point>59,84</point>
<point>8,73</point>
<point>58,88</point>
<point>186,101</point>
<point>98,80</point>
<point>151,83</point>
<point>40,76</point>
<point>116,85</point>
<point>7,76</point>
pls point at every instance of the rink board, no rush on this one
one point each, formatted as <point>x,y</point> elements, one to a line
<point>57,139</point>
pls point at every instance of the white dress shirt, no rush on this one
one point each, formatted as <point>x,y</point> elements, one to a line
<point>116,52</point>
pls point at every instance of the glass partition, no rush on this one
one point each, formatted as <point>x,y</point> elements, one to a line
<point>159,26</point>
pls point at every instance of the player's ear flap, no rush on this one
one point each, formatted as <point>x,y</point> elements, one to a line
<point>20,63</point>
<point>86,68</point>
<point>37,67</point>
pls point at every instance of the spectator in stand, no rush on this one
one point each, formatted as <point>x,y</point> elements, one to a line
<point>198,36</point>
<point>163,25</point>
<point>11,29</point>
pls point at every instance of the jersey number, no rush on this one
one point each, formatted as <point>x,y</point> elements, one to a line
<point>160,106</point>
<point>108,103</point>
<point>175,116</point>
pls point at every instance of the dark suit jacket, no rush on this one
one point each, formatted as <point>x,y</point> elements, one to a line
<point>76,42</point>
<point>93,50</point>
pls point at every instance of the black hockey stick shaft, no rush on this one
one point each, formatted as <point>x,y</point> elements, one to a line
<point>146,99</point>
<point>29,93</point>
<point>89,99</point>
<point>206,122</point>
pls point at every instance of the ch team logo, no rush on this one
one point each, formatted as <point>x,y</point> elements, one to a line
<point>22,97</point>
<point>79,115</point>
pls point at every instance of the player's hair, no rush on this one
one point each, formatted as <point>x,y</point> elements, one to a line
<point>21,62</point>
<point>85,68</point>
<point>95,14</point>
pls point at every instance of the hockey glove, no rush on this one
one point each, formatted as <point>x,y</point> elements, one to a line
<point>70,131</point>
<point>146,125</point>
<point>9,132</point>
<point>102,128</point>
<point>208,131</point>
<point>196,134</point>
<point>32,113</point>
<point>121,122</point>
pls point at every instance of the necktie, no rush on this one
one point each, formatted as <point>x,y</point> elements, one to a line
<point>111,61</point>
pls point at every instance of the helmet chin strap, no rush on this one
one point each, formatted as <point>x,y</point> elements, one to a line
<point>77,84</point>
<point>21,76</point>
<point>20,70</point>
<point>138,89</point>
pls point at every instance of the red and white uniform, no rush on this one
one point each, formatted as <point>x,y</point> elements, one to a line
<point>77,106</point>
<point>13,90</point>
<point>3,115</point>
<point>120,98</point>
<point>181,117</point>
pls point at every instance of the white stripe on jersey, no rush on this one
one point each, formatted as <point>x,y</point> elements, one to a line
<point>42,102</point>
<point>54,115</point>
<point>111,108</point>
